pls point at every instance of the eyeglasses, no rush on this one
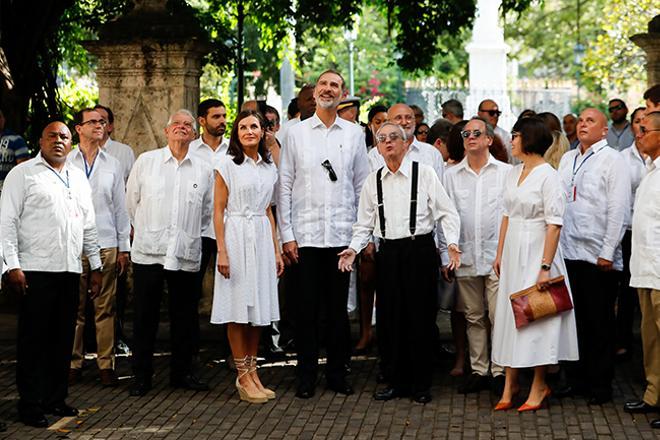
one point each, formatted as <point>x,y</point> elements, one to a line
<point>422,132</point>
<point>331,172</point>
<point>466,133</point>
<point>492,112</point>
<point>101,122</point>
<point>616,107</point>
<point>643,130</point>
<point>392,136</point>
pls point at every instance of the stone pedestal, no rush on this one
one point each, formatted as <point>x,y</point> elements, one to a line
<point>149,64</point>
<point>650,43</point>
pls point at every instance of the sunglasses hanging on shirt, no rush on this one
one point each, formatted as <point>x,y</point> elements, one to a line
<point>331,172</point>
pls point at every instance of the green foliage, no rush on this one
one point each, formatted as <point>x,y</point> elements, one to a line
<point>613,63</point>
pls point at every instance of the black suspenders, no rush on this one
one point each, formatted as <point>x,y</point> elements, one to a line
<point>413,200</point>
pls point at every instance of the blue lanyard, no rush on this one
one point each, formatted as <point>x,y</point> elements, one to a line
<point>581,163</point>
<point>88,171</point>
<point>65,182</point>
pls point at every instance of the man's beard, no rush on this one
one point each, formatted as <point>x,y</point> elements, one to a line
<point>620,120</point>
<point>216,132</point>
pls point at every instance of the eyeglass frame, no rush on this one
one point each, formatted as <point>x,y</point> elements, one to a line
<point>383,138</point>
<point>102,122</point>
<point>465,134</point>
<point>493,112</point>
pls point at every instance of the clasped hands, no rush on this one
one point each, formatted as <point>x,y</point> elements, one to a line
<point>347,258</point>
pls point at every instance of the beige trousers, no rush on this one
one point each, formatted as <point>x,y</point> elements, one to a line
<point>478,294</point>
<point>104,313</point>
<point>649,303</point>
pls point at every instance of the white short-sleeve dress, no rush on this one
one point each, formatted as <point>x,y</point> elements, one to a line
<point>249,296</point>
<point>537,202</point>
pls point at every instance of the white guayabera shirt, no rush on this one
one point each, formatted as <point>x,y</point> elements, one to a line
<point>47,218</point>
<point>480,204</point>
<point>169,205</point>
<point>597,187</point>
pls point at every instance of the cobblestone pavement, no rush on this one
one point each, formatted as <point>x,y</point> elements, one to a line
<point>166,413</point>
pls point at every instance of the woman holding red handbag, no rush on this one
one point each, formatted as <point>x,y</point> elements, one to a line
<point>528,254</point>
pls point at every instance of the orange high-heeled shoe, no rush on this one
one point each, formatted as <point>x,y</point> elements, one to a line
<point>503,406</point>
<point>527,407</point>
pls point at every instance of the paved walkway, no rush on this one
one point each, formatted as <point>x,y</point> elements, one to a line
<point>166,413</point>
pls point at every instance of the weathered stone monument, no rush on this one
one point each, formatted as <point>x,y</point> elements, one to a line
<point>149,64</point>
<point>650,43</point>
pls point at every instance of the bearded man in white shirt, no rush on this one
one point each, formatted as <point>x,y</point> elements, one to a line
<point>476,186</point>
<point>46,223</point>
<point>644,264</point>
<point>400,204</point>
<point>104,174</point>
<point>322,168</point>
<point>168,195</point>
<point>597,185</point>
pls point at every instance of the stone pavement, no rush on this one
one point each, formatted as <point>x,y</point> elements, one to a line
<point>166,413</point>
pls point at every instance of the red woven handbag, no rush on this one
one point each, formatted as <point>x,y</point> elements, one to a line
<point>531,304</point>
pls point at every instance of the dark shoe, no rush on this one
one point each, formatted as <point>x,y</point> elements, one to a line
<point>139,389</point>
<point>599,400</point>
<point>422,397</point>
<point>305,391</point>
<point>497,384</point>
<point>62,410</point>
<point>655,424</point>
<point>473,384</point>
<point>37,420</point>
<point>389,393</point>
<point>189,382</point>
<point>75,374</point>
<point>639,407</point>
<point>108,377</point>
<point>568,391</point>
<point>341,387</point>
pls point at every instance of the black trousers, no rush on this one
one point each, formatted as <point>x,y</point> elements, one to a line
<point>148,282</point>
<point>627,299</point>
<point>407,277</point>
<point>594,292</point>
<point>323,292</point>
<point>209,250</point>
<point>46,325</point>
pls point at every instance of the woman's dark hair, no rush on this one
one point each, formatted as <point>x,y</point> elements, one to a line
<point>236,149</point>
<point>550,120</point>
<point>419,126</point>
<point>527,113</point>
<point>455,146</point>
<point>535,136</point>
<point>632,115</point>
<point>498,150</point>
<point>368,135</point>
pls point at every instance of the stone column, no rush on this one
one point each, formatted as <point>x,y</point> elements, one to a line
<point>650,43</point>
<point>149,64</point>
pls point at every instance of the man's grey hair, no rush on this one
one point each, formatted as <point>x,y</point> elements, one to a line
<point>454,107</point>
<point>183,111</point>
<point>490,131</point>
<point>392,124</point>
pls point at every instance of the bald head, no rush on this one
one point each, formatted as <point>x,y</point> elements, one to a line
<point>591,127</point>
<point>648,138</point>
<point>489,111</point>
<point>403,116</point>
<point>55,143</point>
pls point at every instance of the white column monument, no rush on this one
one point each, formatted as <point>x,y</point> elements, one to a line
<point>488,79</point>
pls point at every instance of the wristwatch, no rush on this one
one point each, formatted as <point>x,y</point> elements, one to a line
<point>545,266</point>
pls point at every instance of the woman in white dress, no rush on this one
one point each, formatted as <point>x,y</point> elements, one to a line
<point>249,259</point>
<point>534,203</point>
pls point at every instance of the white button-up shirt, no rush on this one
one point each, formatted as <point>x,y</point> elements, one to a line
<point>645,258</point>
<point>106,178</point>
<point>433,205</point>
<point>209,156</point>
<point>597,186</point>
<point>479,201</point>
<point>47,218</point>
<point>169,204</point>
<point>312,209</point>
<point>418,151</point>
<point>284,130</point>
<point>123,153</point>
<point>637,169</point>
